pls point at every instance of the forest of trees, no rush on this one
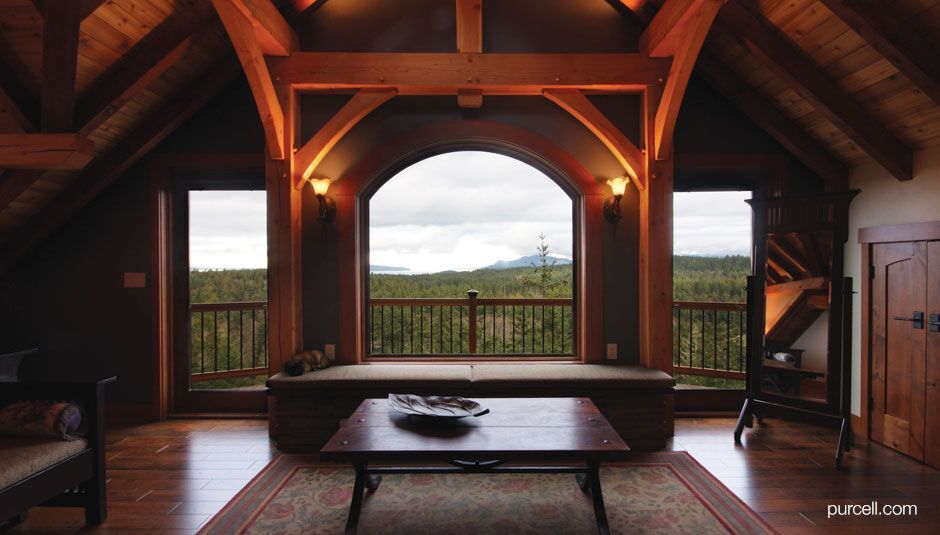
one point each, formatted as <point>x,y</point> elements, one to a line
<point>444,329</point>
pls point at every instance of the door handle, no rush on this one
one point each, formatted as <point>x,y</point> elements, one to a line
<point>917,320</point>
<point>934,323</point>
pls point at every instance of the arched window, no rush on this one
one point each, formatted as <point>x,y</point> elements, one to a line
<point>471,253</point>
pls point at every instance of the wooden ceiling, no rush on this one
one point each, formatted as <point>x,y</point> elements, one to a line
<point>833,95</point>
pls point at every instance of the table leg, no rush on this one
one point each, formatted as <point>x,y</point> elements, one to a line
<point>352,522</point>
<point>600,513</point>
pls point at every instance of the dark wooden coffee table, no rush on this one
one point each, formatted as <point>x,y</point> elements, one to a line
<point>534,435</point>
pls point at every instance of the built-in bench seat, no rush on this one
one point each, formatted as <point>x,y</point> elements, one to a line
<point>308,408</point>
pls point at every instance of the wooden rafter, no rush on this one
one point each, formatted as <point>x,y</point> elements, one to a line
<point>908,50</point>
<point>444,73</point>
<point>15,183</point>
<point>242,34</point>
<point>59,63</point>
<point>678,29</point>
<point>812,153</point>
<point>45,151</point>
<point>109,167</point>
<point>630,157</point>
<point>147,60</point>
<point>272,32</point>
<point>308,157</point>
<point>765,42</point>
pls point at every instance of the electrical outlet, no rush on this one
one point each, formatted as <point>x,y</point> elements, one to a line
<point>330,351</point>
<point>611,351</point>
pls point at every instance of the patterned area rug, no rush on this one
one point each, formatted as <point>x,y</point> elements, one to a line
<point>658,493</point>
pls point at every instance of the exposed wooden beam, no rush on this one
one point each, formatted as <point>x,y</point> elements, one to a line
<point>85,7</point>
<point>273,33</point>
<point>443,73</point>
<point>879,23</point>
<point>690,33</point>
<point>784,130</point>
<point>630,157</point>
<point>45,151</point>
<point>308,157</point>
<point>59,64</point>
<point>470,26</point>
<point>662,36</point>
<point>764,41</point>
<point>17,101</point>
<point>106,169</point>
<point>259,79</point>
<point>147,60</point>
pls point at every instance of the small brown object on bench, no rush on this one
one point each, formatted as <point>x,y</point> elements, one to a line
<point>53,472</point>
<point>308,409</point>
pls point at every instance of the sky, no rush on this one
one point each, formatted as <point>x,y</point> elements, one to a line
<point>460,211</point>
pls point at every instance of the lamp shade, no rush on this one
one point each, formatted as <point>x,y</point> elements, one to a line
<point>320,185</point>
<point>618,185</point>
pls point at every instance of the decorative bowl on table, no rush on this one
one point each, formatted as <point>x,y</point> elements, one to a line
<point>445,407</point>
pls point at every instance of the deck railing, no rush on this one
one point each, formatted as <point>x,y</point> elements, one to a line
<point>490,326</point>
<point>709,339</point>
<point>229,340</point>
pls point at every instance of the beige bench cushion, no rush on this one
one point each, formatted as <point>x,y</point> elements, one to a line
<point>604,375</point>
<point>371,375</point>
<point>23,457</point>
<point>452,375</point>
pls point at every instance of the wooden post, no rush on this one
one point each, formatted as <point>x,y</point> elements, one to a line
<point>472,296</point>
<point>656,251</point>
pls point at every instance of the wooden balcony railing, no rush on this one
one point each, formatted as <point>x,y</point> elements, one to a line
<point>709,339</point>
<point>229,340</point>
<point>489,326</point>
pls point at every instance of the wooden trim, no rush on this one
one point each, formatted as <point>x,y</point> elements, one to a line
<point>861,428</point>
<point>900,233</point>
<point>470,98</point>
<point>15,183</point>
<point>446,73</point>
<point>799,285</point>
<point>59,65</point>
<point>474,358</point>
<point>880,24</point>
<point>765,42</point>
<point>784,130</point>
<point>45,151</point>
<point>577,104</point>
<point>662,35</point>
<point>250,54</point>
<point>308,157</point>
<point>85,7</point>
<point>162,291</point>
<point>707,305</point>
<point>231,374</point>
<point>690,37</point>
<point>470,26</point>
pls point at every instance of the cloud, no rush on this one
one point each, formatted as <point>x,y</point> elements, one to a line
<point>712,223</point>
<point>227,229</point>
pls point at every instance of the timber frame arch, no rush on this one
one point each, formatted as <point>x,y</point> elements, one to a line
<point>354,190</point>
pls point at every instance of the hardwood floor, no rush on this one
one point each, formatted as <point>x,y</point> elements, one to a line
<point>173,476</point>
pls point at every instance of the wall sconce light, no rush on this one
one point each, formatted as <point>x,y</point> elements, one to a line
<point>612,205</point>
<point>327,205</point>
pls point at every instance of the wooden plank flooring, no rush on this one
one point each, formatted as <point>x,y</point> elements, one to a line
<point>173,476</point>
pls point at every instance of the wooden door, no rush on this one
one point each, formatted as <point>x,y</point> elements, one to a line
<point>932,427</point>
<point>898,364</point>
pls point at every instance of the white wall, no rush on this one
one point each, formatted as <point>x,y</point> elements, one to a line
<point>886,201</point>
<point>815,342</point>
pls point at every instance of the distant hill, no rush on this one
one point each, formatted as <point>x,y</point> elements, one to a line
<point>527,261</point>
<point>375,267</point>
